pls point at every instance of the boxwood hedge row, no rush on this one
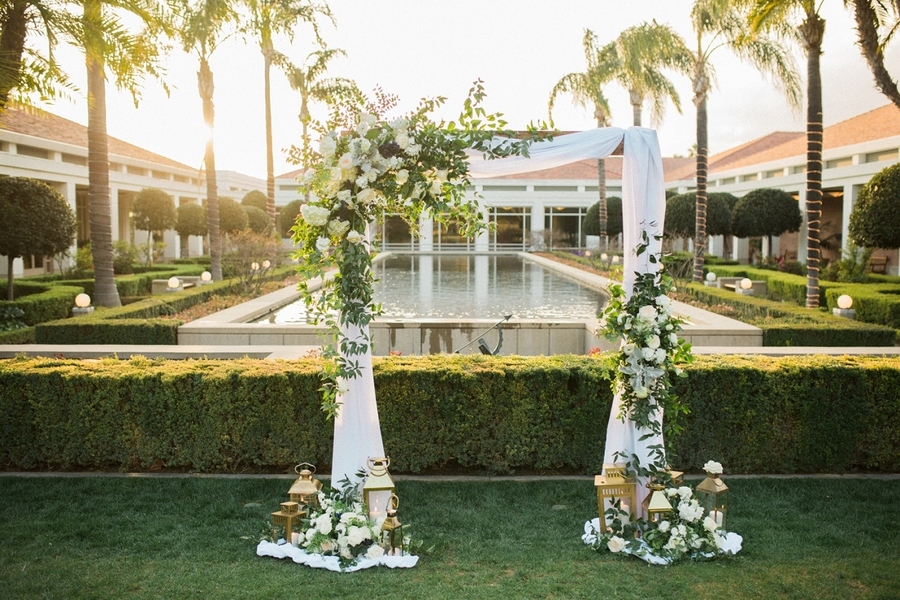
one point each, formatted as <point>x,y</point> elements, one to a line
<point>442,414</point>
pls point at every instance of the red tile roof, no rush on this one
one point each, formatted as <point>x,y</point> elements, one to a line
<point>51,127</point>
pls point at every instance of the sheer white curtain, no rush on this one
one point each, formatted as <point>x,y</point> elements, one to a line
<point>357,433</point>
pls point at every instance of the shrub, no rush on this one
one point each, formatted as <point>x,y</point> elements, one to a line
<point>256,199</point>
<point>613,217</point>
<point>232,216</point>
<point>257,220</point>
<point>482,414</point>
<point>765,212</point>
<point>875,220</point>
<point>681,214</point>
<point>124,257</point>
<point>288,216</point>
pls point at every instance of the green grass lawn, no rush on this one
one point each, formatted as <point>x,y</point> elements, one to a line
<point>105,537</point>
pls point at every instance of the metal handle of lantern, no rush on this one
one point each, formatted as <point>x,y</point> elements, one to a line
<point>311,469</point>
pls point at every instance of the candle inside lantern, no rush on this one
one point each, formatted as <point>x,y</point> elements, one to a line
<point>295,539</point>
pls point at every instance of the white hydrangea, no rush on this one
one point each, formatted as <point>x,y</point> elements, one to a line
<point>338,228</point>
<point>316,216</point>
<point>323,244</point>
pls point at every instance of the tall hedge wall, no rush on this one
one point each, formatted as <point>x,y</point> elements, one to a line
<point>441,414</point>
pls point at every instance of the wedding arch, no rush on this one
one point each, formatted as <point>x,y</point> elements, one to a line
<point>357,432</point>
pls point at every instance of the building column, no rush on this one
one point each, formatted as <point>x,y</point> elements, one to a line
<point>426,233</point>
<point>851,193</point>
<point>537,226</point>
<point>483,238</point>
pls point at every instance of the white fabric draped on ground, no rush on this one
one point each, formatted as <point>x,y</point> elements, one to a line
<point>332,563</point>
<point>357,434</point>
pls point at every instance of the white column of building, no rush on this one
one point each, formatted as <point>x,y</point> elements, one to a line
<point>851,192</point>
<point>71,198</point>
<point>426,233</point>
<point>537,225</point>
<point>483,238</point>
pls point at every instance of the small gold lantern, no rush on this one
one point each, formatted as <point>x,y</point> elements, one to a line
<point>676,477</point>
<point>288,517</point>
<point>392,529</point>
<point>306,489</point>
<point>378,487</point>
<point>712,494</point>
<point>656,505</point>
<point>612,486</point>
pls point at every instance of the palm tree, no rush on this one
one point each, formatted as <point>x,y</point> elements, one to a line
<point>872,16</point>
<point>586,90</point>
<point>200,27</point>
<point>719,23</point>
<point>23,70</point>
<point>810,29</point>
<point>267,19</point>
<point>110,48</point>
<point>643,53</point>
<point>309,82</point>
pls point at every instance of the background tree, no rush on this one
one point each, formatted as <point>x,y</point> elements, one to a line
<point>232,216</point>
<point>875,220</point>
<point>190,219</point>
<point>681,214</point>
<point>765,212</point>
<point>267,19</point>
<point>718,23</point>
<point>257,219</point>
<point>613,217</point>
<point>257,199</point>
<point>201,25</point>
<point>643,53</point>
<point>154,212</point>
<point>873,16</point>
<point>586,90</point>
<point>288,216</point>
<point>22,69</point>
<point>34,219</point>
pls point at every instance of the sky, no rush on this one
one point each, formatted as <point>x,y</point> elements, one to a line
<point>429,48</point>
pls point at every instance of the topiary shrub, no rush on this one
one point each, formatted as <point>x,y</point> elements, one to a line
<point>875,220</point>
<point>765,212</point>
<point>288,216</point>
<point>257,220</point>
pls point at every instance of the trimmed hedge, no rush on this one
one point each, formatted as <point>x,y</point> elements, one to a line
<point>17,336</point>
<point>138,322</point>
<point>42,302</point>
<point>443,413</point>
<point>785,324</point>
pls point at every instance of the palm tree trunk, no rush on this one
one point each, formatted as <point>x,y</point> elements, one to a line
<point>867,31</point>
<point>702,168</point>
<point>636,104</point>
<point>206,86</point>
<point>812,30</point>
<point>105,291</point>
<point>270,160</point>
<point>12,46</point>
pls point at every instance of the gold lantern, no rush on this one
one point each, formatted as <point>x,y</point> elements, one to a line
<point>656,505</point>
<point>712,494</point>
<point>392,529</point>
<point>612,486</point>
<point>378,487</point>
<point>306,489</point>
<point>676,477</point>
<point>289,516</point>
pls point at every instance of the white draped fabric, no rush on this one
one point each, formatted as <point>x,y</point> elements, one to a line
<point>357,434</point>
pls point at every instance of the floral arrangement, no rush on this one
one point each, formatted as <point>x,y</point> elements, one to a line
<point>367,167</point>
<point>684,533</point>
<point>649,351</point>
<point>340,527</point>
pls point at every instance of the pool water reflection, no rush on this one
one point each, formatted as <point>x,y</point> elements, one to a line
<point>471,286</point>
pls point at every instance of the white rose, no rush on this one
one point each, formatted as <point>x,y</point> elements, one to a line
<point>402,176</point>
<point>375,551</point>
<point>354,237</point>
<point>648,353</point>
<point>685,492</point>
<point>346,553</point>
<point>664,526</point>
<point>435,188</point>
<point>647,313</point>
<point>402,140</point>
<point>370,119</point>
<point>323,524</point>
<point>663,302</point>
<point>673,339</point>
<point>316,216</point>
<point>308,176</point>
<point>362,128</point>
<point>713,468</point>
<point>366,196</point>
<point>323,244</point>
<point>344,195</point>
<point>653,341</point>
<point>342,388</point>
<point>615,544</point>
<point>641,392</point>
<point>710,524</point>
<point>660,356</point>
<point>440,175</point>
<point>629,348</point>
<point>345,162</point>
<point>355,536</point>
<point>327,145</point>
<point>335,174</point>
